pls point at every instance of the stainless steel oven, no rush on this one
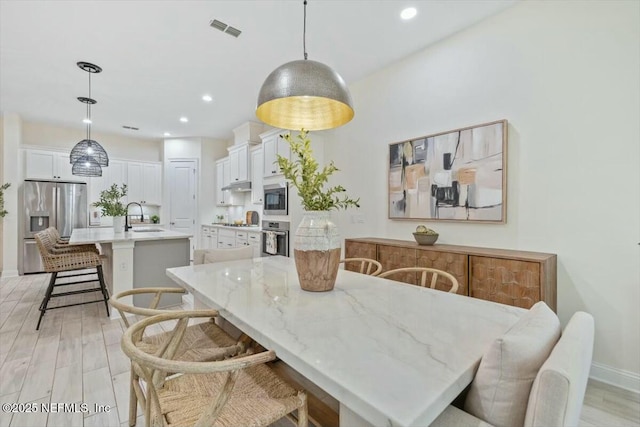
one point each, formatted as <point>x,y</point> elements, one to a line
<point>275,201</point>
<point>275,238</point>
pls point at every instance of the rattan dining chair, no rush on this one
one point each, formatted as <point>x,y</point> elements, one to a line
<point>425,272</point>
<point>240,391</point>
<point>366,265</point>
<point>75,263</point>
<point>203,341</point>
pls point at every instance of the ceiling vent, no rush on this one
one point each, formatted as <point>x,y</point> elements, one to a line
<point>130,127</point>
<point>219,25</point>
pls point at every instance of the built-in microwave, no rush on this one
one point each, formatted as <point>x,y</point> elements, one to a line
<point>275,199</point>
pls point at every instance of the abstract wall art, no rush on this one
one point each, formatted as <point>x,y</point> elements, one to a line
<point>457,175</point>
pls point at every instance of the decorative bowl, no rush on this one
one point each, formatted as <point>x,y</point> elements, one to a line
<point>425,239</point>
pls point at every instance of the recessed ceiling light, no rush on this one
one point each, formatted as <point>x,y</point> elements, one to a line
<point>167,134</point>
<point>184,119</point>
<point>207,98</point>
<point>408,13</point>
<point>88,121</point>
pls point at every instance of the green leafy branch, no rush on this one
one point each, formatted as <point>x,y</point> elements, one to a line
<point>2,188</point>
<point>305,176</point>
<point>110,203</point>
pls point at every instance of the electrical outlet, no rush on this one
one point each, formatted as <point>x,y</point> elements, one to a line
<point>123,266</point>
<point>357,219</point>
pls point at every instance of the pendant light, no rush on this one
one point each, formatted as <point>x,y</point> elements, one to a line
<point>86,166</point>
<point>304,94</point>
<point>88,147</point>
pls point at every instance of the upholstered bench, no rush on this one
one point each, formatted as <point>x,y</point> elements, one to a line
<point>528,377</point>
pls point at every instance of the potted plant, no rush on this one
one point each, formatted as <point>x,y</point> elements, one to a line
<point>110,204</point>
<point>317,242</point>
<point>155,219</point>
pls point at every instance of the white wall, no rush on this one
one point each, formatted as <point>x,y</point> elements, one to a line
<point>565,74</point>
<point>117,146</point>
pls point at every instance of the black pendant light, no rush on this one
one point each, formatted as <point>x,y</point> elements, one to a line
<point>304,94</point>
<point>86,166</point>
<point>88,151</point>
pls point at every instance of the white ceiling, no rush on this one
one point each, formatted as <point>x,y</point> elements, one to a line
<point>160,57</point>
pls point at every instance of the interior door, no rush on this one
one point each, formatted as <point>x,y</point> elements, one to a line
<point>182,195</point>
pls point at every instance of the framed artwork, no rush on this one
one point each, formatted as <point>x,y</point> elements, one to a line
<point>459,175</point>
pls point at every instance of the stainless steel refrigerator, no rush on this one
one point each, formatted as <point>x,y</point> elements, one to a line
<point>62,205</point>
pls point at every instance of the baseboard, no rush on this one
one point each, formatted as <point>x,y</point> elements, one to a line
<point>188,300</point>
<point>617,377</point>
<point>5,274</point>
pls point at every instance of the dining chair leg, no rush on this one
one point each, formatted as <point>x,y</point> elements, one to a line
<point>303,414</point>
<point>103,288</point>
<point>47,297</point>
<point>133,400</point>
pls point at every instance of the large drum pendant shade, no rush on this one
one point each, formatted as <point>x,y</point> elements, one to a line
<point>304,94</point>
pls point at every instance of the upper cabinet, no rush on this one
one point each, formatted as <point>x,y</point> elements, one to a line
<point>239,163</point>
<point>223,177</point>
<point>43,164</point>
<point>144,183</point>
<point>257,172</point>
<point>115,173</point>
<point>273,145</point>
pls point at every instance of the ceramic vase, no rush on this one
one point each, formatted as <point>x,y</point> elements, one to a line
<point>317,251</point>
<point>118,224</point>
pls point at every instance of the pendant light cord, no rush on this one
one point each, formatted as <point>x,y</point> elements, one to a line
<point>89,113</point>
<point>304,31</point>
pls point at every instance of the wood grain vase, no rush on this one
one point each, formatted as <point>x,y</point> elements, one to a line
<point>317,251</point>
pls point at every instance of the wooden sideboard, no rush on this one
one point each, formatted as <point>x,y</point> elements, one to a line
<point>510,277</point>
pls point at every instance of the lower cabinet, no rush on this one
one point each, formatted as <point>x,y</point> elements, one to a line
<point>517,278</point>
<point>226,239</point>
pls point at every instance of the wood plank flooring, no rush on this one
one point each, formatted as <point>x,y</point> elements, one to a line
<point>76,358</point>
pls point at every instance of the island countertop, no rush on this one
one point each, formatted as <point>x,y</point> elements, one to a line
<point>81,236</point>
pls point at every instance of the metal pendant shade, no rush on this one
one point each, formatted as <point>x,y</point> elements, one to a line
<point>86,166</point>
<point>89,147</point>
<point>304,94</point>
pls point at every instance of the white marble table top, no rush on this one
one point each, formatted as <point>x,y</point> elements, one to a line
<point>393,353</point>
<point>106,235</point>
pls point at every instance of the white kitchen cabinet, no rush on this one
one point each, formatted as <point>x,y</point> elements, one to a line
<point>226,239</point>
<point>257,172</point>
<point>115,173</point>
<point>209,237</point>
<point>273,145</point>
<point>144,183</point>
<point>254,239</point>
<point>223,198</point>
<point>239,163</point>
<point>54,165</point>
<point>241,239</point>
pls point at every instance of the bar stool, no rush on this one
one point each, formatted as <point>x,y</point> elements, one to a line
<point>57,260</point>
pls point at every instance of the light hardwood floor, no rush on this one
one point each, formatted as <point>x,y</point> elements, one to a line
<point>76,358</point>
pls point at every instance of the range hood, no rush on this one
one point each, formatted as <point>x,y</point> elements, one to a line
<point>238,186</point>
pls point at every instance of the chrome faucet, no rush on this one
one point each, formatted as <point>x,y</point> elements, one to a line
<point>128,227</point>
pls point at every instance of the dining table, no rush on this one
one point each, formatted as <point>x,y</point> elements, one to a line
<point>392,354</point>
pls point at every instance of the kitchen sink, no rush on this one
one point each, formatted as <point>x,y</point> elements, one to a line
<point>146,230</point>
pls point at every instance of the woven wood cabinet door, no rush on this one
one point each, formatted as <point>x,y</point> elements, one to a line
<point>392,257</point>
<point>456,264</point>
<point>358,250</point>
<point>505,281</point>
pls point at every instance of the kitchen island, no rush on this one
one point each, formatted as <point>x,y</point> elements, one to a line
<point>137,259</point>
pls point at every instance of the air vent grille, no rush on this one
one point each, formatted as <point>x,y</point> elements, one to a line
<point>219,25</point>
<point>130,127</point>
<point>233,31</point>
